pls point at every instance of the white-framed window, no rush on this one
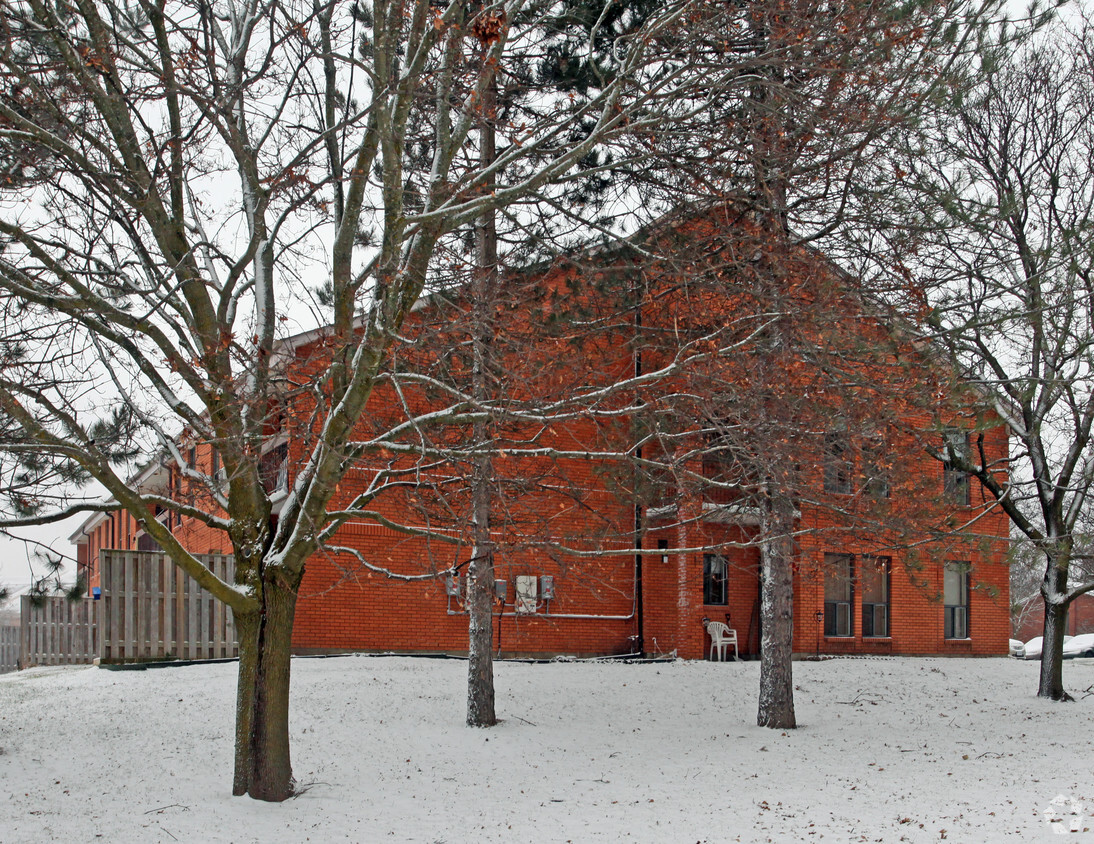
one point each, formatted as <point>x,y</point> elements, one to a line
<point>955,481</point>
<point>839,595</point>
<point>874,582</point>
<point>875,469</point>
<point>216,468</point>
<point>715,580</point>
<point>839,468</point>
<point>955,599</point>
<point>274,468</point>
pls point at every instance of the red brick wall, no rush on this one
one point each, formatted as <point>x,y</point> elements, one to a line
<point>344,607</point>
<point>117,531</point>
<point>1080,618</point>
<point>580,504</point>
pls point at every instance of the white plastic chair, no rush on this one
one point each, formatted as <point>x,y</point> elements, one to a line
<point>721,635</point>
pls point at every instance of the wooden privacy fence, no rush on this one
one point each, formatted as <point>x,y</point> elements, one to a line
<point>151,609</point>
<point>148,609</point>
<point>57,631</point>
<point>9,649</point>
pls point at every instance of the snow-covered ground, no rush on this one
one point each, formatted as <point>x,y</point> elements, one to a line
<point>888,750</point>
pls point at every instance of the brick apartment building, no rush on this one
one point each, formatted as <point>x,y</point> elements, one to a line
<point>590,563</point>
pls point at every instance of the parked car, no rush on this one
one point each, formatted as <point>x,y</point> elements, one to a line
<point>1079,646</point>
<point>1017,649</point>
<point>1034,645</point>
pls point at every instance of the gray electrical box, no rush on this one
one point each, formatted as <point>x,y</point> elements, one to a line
<point>501,590</point>
<point>546,587</point>
<point>452,585</point>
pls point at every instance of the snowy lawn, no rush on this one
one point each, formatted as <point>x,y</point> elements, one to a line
<point>888,750</point>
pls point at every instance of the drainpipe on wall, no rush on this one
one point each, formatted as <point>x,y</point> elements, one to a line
<point>639,612</point>
<point>639,602</point>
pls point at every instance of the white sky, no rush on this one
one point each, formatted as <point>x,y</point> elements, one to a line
<point>17,566</point>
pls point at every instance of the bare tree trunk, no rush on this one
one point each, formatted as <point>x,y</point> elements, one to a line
<point>480,645</point>
<point>263,768</point>
<point>776,708</point>
<point>247,634</point>
<point>480,634</point>
<point>1051,684</point>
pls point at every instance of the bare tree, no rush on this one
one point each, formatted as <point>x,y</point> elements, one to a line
<point>794,435</point>
<point>179,178</point>
<point>818,91</point>
<point>995,201</point>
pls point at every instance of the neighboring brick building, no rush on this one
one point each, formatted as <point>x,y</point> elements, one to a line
<point>573,582</point>
<point>118,530</point>
<point>1028,619</point>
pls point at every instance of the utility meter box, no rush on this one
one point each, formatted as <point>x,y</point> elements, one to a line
<point>452,585</point>
<point>547,587</point>
<point>501,590</point>
<point>526,593</point>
